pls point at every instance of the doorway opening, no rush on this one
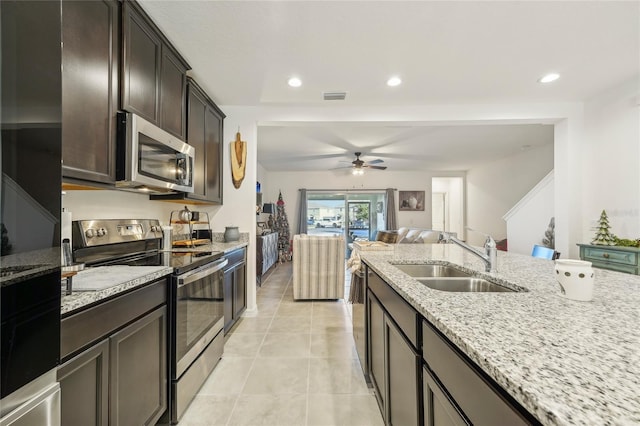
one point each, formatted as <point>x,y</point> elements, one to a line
<point>447,205</point>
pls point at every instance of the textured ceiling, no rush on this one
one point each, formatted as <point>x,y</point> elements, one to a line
<point>447,52</point>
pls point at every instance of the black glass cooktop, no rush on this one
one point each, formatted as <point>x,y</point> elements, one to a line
<point>183,261</point>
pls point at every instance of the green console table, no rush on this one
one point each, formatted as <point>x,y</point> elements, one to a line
<point>621,259</point>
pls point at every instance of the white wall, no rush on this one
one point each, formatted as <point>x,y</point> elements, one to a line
<point>528,220</point>
<point>611,172</point>
<point>103,204</point>
<point>493,188</point>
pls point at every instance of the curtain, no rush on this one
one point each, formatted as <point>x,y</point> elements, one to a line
<point>391,221</point>
<point>302,212</point>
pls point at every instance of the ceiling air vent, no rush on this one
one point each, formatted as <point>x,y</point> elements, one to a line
<point>335,96</point>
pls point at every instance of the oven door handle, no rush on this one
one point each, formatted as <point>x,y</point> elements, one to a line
<point>205,271</point>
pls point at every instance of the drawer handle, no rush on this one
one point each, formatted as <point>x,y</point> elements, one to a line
<point>605,255</point>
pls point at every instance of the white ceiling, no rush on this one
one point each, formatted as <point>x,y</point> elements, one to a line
<point>446,52</point>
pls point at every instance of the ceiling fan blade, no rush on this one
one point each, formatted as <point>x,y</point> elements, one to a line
<point>376,161</point>
<point>376,167</point>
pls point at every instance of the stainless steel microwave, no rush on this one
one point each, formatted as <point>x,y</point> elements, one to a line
<point>150,159</point>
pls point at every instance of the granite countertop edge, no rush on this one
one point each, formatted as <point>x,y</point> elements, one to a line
<point>529,363</point>
<point>79,300</point>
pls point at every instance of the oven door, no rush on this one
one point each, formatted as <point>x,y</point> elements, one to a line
<point>199,313</point>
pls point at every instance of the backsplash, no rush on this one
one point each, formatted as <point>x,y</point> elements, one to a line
<point>107,204</point>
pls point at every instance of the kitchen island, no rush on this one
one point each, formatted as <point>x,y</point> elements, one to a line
<point>565,362</point>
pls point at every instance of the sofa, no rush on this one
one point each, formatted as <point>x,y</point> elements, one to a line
<point>318,267</point>
<point>404,235</point>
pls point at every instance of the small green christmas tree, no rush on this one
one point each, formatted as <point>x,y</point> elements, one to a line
<point>603,236</point>
<point>281,226</point>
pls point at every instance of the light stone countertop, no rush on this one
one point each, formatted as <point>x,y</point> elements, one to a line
<point>566,362</point>
<point>122,277</point>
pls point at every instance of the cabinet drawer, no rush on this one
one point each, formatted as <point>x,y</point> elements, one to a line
<point>401,312</point>
<point>478,399</point>
<point>607,255</point>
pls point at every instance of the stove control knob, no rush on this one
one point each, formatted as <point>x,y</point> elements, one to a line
<point>102,232</point>
<point>90,233</point>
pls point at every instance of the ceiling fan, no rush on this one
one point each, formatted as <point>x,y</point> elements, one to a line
<point>358,165</point>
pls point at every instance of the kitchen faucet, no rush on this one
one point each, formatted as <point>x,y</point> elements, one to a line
<point>490,255</point>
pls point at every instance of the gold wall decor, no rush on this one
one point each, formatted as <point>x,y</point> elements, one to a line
<point>238,160</point>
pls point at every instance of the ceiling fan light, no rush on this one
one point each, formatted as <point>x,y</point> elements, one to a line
<point>549,78</point>
<point>394,81</point>
<point>294,82</point>
<point>357,172</point>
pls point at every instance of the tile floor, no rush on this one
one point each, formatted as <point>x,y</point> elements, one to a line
<point>290,363</point>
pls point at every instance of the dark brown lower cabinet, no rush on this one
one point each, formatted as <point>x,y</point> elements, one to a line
<point>122,379</point>
<point>439,410</point>
<point>403,363</point>
<point>479,399</point>
<point>138,371</point>
<point>114,369</point>
<point>376,331</point>
<point>393,367</point>
<point>84,382</point>
<point>235,287</point>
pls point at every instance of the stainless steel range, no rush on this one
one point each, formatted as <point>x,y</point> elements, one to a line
<point>196,299</point>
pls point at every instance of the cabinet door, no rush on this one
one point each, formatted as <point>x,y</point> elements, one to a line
<point>142,49</point>
<point>138,375</point>
<point>239,290</point>
<point>90,36</point>
<point>196,138</point>
<point>438,408</point>
<point>404,375</point>
<point>228,298</point>
<point>376,339</point>
<point>84,387</point>
<point>173,84</point>
<point>213,138</point>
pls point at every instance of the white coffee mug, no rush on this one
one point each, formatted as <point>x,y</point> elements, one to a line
<point>575,278</point>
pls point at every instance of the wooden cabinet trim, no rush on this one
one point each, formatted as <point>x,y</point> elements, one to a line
<point>76,159</point>
<point>132,12</point>
<point>80,329</point>
<point>402,313</point>
<point>482,401</point>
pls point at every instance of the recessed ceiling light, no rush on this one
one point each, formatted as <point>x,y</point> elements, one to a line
<point>549,78</point>
<point>394,81</point>
<point>294,82</point>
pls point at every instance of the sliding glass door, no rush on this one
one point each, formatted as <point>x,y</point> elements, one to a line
<point>352,214</point>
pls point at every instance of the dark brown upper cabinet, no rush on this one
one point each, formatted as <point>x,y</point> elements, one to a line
<point>204,133</point>
<point>154,76</point>
<point>90,36</point>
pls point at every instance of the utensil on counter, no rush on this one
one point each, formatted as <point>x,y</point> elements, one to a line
<point>67,273</point>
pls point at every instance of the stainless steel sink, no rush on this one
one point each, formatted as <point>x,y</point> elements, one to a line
<point>467,285</point>
<point>431,270</point>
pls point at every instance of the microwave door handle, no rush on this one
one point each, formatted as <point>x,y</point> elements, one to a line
<point>201,273</point>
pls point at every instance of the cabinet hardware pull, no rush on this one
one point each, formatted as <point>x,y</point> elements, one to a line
<point>605,255</point>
